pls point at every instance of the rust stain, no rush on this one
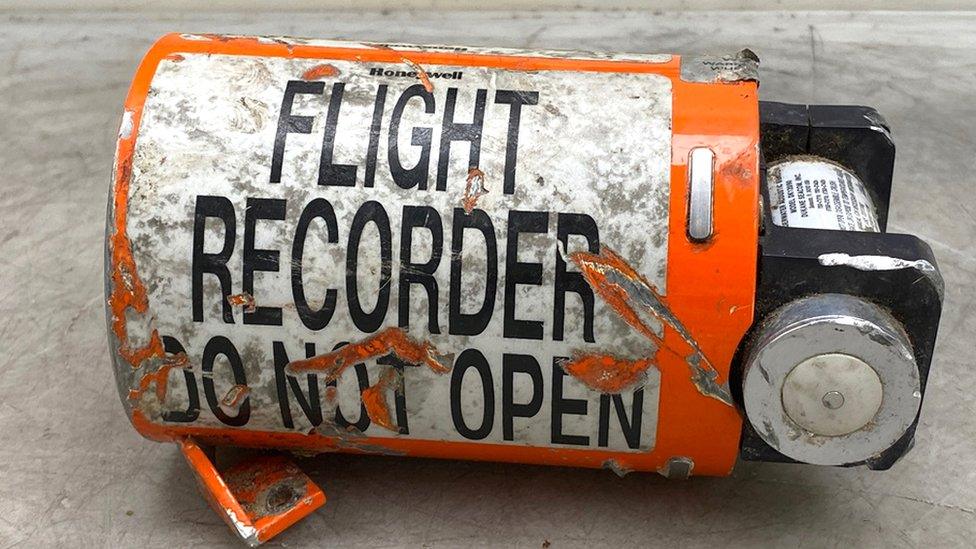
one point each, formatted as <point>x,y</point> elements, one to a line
<point>320,71</point>
<point>235,396</point>
<point>242,299</point>
<point>475,183</point>
<point>380,344</point>
<point>635,299</point>
<point>374,400</point>
<point>606,373</point>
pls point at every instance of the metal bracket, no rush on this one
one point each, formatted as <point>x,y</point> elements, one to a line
<point>258,498</point>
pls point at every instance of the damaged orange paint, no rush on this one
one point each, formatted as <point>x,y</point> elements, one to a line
<point>473,189</point>
<point>127,289</point>
<point>628,293</point>
<point>606,373</point>
<point>374,400</point>
<point>380,344</point>
<point>320,71</point>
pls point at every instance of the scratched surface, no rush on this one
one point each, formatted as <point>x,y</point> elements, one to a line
<point>73,472</point>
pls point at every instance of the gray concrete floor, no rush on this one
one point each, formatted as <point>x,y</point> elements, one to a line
<point>74,473</point>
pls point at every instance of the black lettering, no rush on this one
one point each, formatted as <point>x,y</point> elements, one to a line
<point>336,175</point>
<point>374,133</point>
<point>215,264</point>
<point>452,131</point>
<point>472,358</point>
<point>399,396</point>
<point>564,406</point>
<point>517,272</point>
<point>462,323</point>
<point>362,379</point>
<point>220,345</point>
<point>416,176</point>
<point>289,123</point>
<point>516,99</point>
<point>631,428</point>
<point>309,404</point>
<point>311,318</point>
<point>172,346</point>
<point>420,273</point>
<point>271,209</point>
<point>370,212</point>
<point>519,364</point>
<point>566,281</point>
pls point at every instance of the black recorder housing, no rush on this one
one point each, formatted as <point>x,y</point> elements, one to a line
<point>857,138</point>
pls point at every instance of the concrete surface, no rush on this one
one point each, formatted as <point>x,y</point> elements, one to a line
<point>74,473</point>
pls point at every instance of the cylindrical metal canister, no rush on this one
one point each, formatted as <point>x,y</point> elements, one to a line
<point>448,252</point>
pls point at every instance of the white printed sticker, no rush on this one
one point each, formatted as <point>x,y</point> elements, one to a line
<point>283,208</point>
<point>816,194</point>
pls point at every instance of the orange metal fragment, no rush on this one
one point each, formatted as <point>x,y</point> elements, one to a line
<point>379,344</point>
<point>258,498</point>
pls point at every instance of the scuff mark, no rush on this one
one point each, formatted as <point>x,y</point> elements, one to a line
<point>320,71</point>
<point>391,340</point>
<point>616,467</point>
<point>125,128</point>
<point>374,400</point>
<point>678,467</point>
<point>637,302</point>
<point>884,263</point>
<point>473,189</point>
<point>174,57</point>
<point>242,299</point>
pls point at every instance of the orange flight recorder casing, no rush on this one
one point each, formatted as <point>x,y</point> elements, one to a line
<point>469,253</point>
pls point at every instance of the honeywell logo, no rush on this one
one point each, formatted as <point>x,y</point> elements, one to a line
<point>376,71</point>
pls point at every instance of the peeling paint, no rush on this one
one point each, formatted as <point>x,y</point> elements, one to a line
<point>637,302</point>
<point>606,373</point>
<point>884,263</point>
<point>473,189</point>
<point>393,340</point>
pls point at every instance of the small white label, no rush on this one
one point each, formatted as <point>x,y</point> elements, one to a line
<point>816,194</point>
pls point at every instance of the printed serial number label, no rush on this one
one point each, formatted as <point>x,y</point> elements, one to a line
<point>416,232</point>
<point>813,194</point>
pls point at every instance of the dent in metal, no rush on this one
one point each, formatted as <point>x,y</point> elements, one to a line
<point>741,67</point>
<point>884,263</point>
